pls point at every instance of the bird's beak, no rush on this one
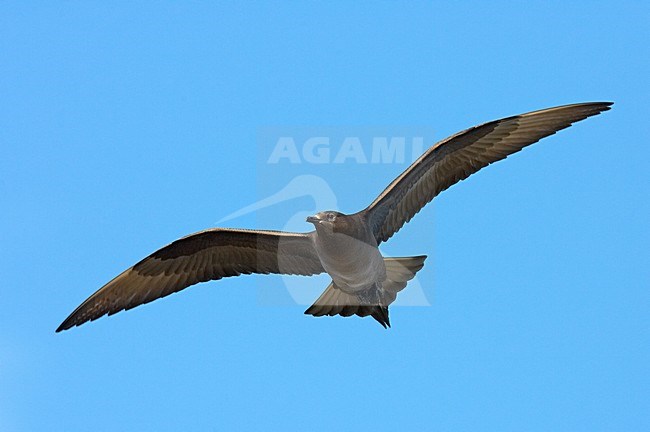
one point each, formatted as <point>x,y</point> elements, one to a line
<point>313,219</point>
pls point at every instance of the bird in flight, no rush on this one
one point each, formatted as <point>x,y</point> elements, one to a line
<point>345,246</point>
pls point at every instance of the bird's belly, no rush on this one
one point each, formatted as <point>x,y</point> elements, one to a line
<point>354,271</point>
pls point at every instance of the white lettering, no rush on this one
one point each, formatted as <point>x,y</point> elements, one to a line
<point>285,148</point>
<point>351,149</point>
<point>385,152</point>
<point>316,150</point>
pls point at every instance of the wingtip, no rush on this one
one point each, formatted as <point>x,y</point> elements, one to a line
<point>583,110</point>
<point>600,107</point>
<point>605,103</point>
<point>64,326</point>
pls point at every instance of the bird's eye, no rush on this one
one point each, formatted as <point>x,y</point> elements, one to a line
<point>331,217</point>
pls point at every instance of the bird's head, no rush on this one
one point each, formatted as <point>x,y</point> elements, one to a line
<point>326,220</point>
<point>332,224</point>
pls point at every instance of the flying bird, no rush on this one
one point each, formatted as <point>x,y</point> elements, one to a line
<point>345,246</point>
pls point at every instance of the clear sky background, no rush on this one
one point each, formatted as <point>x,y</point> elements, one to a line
<point>124,127</point>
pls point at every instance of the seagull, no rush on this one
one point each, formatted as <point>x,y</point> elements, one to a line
<point>345,246</point>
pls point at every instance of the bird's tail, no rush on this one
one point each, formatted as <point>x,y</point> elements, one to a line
<point>334,301</point>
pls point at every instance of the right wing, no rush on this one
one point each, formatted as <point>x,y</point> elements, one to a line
<point>200,257</point>
<point>459,156</point>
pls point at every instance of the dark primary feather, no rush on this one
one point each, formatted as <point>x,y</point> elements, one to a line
<point>457,157</point>
<point>203,256</point>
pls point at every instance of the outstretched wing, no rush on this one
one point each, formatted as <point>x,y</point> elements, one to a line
<point>459,156</point>
<point>203,256</point>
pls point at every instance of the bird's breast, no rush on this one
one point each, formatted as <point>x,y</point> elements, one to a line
<point>354,265</point>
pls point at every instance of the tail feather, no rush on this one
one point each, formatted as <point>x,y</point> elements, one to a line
<point>334,301</point>
<point>380,314</point>
<point>398,272</point>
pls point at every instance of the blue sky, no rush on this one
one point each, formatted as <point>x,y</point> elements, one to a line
<point>124,127</point>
